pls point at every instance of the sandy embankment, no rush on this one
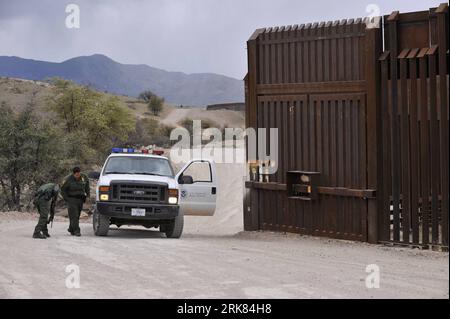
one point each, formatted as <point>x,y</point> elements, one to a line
<point>228,218</point>
<point>221,117</point>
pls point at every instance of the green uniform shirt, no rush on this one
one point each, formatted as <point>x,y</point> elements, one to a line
<point>46,192</point>
<point>73,188</point>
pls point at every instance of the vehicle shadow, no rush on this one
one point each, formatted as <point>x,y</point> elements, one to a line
<point>132,233</point>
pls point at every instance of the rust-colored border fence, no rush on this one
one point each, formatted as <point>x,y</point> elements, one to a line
<point>414,95</point>
<point>329,89</point>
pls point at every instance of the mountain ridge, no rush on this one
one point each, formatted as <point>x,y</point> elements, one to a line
<point>105,74</point>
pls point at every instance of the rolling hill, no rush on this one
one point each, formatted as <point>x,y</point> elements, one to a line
<point>104,74</point>
<point>18,92</point>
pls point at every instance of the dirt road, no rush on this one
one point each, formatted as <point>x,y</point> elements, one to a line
<point>138,263</point>
<point>222,117</point>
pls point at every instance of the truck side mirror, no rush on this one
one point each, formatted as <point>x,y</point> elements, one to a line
<point>185,179</point>
<point>94,175</point>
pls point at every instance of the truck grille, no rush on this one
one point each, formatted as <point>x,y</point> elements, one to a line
<point>136,192</point>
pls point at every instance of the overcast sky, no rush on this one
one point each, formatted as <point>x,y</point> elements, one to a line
<point>191,36</point>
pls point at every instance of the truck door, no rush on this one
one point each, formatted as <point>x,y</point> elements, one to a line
<point>198,188</point>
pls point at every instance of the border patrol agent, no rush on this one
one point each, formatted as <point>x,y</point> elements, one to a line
<point>44,198</point>
<point>75,190</point>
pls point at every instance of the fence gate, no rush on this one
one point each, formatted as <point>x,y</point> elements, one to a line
<point>367,121</point>
<point>309,82</point>
<point>414,104</point>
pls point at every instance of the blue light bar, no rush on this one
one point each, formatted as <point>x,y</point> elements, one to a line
<point>122,150</point>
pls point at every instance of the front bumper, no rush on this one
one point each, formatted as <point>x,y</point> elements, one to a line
<point>123,210</point>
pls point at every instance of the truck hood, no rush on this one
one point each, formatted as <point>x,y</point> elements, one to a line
<point>106,180</point>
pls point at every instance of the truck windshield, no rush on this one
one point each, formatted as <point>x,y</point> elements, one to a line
<point>139,166</point>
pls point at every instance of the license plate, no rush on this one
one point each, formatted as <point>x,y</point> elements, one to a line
<point>138,212</point>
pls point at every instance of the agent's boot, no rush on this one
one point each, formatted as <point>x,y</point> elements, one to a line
<point>46,234</point>
<point>77,234</point>
<point>70,231</point>
<point>39,235</point>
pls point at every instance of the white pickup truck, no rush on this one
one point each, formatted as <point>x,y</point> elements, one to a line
<point>142,189</point>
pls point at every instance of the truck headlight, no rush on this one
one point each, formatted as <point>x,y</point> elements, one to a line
<point>173,196</point>
<point>104,197</point>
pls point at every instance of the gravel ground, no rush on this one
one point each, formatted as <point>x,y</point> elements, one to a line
<point>139,263</point>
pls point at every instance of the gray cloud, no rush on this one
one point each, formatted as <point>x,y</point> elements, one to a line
<point>179,35</point>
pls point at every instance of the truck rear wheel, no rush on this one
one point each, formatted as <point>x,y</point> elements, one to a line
<point>175,228</point>
<point>100,224</point>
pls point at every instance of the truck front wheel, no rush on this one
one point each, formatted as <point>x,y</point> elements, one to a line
<point>101,224</point>
<point>175,228</point>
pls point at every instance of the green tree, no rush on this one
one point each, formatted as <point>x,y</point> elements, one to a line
<point>151,126</point>
<point>28,154</point>
<point>156,105</point>
<point>150,131</point>
<point>165,130</point>
<point>93,122</point>
<point>146,96</point>
<point>71,102</point>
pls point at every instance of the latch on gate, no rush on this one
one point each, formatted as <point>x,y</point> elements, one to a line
<point>302,185</point>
